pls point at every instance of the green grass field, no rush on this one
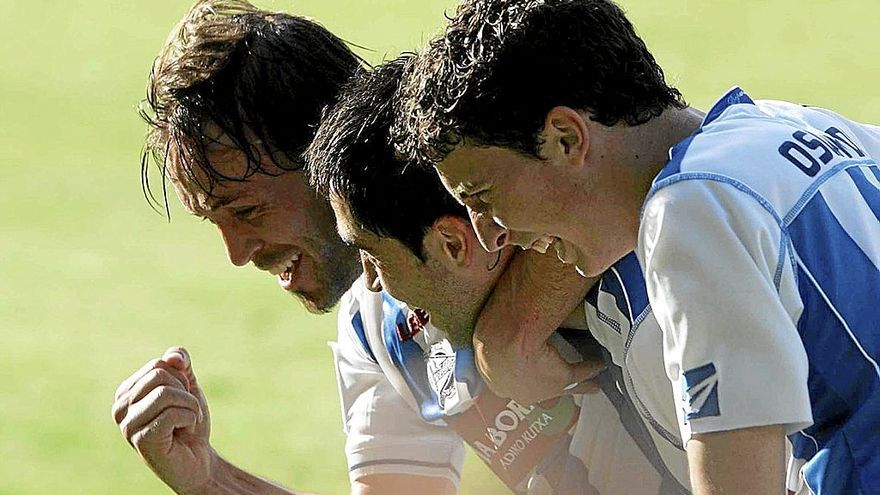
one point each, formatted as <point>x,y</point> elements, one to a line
<point>93,283</point>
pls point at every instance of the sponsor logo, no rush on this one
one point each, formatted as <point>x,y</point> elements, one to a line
<point>700,392</point>
<point>511,438</point>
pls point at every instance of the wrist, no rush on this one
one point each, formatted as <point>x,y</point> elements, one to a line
<point>216,472</point>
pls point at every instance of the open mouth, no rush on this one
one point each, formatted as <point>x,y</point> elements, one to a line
<point>286,271</point>
<point>542,244</point>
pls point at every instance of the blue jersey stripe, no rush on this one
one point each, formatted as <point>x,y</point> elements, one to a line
<point>633,280</point>
<point>358,324</point>
<point>869,192</point>
<point>837,283</point>
<point>408,358</point>
<point>676,154</point>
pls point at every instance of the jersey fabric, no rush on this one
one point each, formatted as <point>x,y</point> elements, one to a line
<point>619,316</point>
<point>760,242</point>
<point>409,399</point>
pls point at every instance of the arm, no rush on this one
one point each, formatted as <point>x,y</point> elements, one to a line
<point>718,461</point>
<point>726,301</point>
<point>230,480</point>
<point>533,296</point>
<point>163,414</point>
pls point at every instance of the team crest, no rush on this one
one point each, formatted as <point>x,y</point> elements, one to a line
<point>441,372</point>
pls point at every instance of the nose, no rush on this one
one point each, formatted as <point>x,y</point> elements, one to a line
<point>492,236</point>
<point>240,247</point>
<point>371,276</point>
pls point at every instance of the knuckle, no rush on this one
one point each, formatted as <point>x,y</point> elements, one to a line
<point>118,411</point>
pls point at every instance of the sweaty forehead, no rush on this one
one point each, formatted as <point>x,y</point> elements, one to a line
<point>197,192</point>
<point>350,231</point>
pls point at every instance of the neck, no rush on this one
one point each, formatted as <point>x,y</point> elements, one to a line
<point>630,158</point>
<point>643,150</point>
<point>466,301</point>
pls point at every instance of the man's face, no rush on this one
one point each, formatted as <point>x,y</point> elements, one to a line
<point>388,264</point>
<point>277,223</point>
<point>513,199</point>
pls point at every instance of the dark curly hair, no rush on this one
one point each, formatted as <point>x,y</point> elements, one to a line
<point>262,78</point>
<point>352,157</point>
<point>503,64</point>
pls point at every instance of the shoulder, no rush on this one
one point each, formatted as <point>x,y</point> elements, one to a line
<point>771,150</point>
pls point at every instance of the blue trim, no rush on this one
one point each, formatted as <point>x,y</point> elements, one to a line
<point>814,187</point>
<point>408,462</point>
<point>780,260</point>
<point>736,96</point>
<point>722,179</point>
<point>632,279</point>
<point>408,357</point>
<point>676,155</point>
<point>869,193</point>
<point>358,324</point>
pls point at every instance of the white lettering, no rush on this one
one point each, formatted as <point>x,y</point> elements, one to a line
<point>496,437</point>
<point>520,411</point>
<point>484,451</point>
<point>511,423</point>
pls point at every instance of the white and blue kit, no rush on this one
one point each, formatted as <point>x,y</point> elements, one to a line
<point>409,399</point>
<point>760,243</point>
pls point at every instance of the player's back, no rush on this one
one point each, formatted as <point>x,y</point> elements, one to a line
<point>800,187</point>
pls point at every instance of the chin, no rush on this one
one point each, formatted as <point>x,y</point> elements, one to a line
<point>313,304</point>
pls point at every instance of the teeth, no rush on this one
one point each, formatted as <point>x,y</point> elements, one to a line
<point>278,270</point>
<point>541,245</point>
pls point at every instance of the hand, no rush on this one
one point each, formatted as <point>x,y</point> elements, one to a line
<point>530,372</point>
<point>512,335</point>
<point>162,412</point>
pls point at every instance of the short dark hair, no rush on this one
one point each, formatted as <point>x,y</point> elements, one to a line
<point>352,157</point>
<point>261,77</point>
<point>503,64</point>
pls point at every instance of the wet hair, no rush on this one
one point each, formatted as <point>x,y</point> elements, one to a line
<point>352,157</point>
<point>259,78</point>
<point>502,65</point>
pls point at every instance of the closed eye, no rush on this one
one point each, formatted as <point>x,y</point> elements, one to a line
<point>245,212</point>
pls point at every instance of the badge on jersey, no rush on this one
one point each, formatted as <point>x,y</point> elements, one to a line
<point>700,392</point>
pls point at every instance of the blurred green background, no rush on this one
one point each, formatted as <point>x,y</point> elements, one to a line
<point>93,283</point>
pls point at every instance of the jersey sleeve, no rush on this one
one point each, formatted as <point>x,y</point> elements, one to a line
<point>384,434</point>
<point>722,286</point>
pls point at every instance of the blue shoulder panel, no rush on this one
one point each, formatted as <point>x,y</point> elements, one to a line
<point>358,324</point>
<point>735,96</point>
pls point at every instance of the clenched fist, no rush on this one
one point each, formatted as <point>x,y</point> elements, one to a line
<point>162,412</point>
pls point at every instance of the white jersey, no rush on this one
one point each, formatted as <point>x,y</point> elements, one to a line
<point>760,242</point>
<point>409,398</point>
<point>620,318</point>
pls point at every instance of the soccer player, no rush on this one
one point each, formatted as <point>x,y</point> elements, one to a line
<point>430,258</point>
<point>756,225</point>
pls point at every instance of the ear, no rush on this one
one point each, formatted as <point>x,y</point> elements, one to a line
<point>455,243</point>
<point>566,135</point>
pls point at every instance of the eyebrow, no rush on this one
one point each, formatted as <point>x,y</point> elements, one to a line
<point>462,191</point>
<point>215,204</point>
